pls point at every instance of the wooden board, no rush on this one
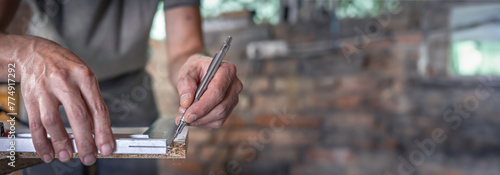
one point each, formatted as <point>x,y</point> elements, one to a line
<point>177,150</point>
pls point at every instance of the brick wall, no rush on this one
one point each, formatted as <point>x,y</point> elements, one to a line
<point>318,113</point>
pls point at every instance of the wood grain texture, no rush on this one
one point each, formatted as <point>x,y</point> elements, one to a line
<point>176,151</point>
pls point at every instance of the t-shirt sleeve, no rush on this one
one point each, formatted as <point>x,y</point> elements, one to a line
<point>169,4</point>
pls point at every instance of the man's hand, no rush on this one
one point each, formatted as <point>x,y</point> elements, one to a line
<point>51,76</point>
<point>183,26</point>
<point>219,99</point>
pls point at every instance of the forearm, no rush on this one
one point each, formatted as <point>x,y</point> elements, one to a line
<point>9,58</point>
<point>184,37</point>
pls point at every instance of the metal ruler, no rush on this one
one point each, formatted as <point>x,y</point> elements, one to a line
<point>129,140</point>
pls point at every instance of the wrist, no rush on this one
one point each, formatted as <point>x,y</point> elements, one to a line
<point>174,66</point>
<point>7,48</point>
<point>18,49</point>
<point>10,58</point>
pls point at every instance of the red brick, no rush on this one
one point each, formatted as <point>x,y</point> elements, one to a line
<point>283,84</point>
<point>357,83</point>
<point>234,121</point>
<point>236,136</point>
<point>280,67</point>
<point>326,83</point>
<point>258,84</point>
<point>198,136</point>
<point>271,102</point>
<point>207,153</point>
<point>292,84</point>
<point>213,154</point>
<point>314,101</point>
<point>275,154</point>
<point>413,38</point>
<point>244,102</point>
<point>301,137</point>
<point>267,120</point>
<point>342,156</point>
<point>349,101</point>
<point>243,154</point>
<point>355,119</point>
<point>192,150</point>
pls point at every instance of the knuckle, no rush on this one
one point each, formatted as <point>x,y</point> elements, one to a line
<point>59,75</point>
<point>41,146</point>
<point>42,82</point>
<point>60,78</point>
<point>229,73</point>
<point>218,94</point>
<point>42,87</point>
<point>85,147</point>
<point>79,114</point>
<point>239,86</point>
<point>231,68</point>
<point>194,123</point>
<point>101,131</point>
<point>236,100</point>
<point>60,141</point>
<point>218,124</point>
<point>100,108</point>
<point>220,112</point>
<point>85,71</point>
<point>35,126</point>
<point>49,120</point>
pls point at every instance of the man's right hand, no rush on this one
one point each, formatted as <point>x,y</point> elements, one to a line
<point>50,76</point>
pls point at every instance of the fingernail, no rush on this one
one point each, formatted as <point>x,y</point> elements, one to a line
<point>47,158</point>
<point>63,155</point>
<point>106,149</point>
<point>192,118</point>
<point>184,97</point>
<point>89,160</point>
<point>182,110</point>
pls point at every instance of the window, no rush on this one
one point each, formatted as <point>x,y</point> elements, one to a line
<point>475,58</point>
<point>265,10</point>
<point>475,40</point>
<point>158,28</point>
<point>363,8</point>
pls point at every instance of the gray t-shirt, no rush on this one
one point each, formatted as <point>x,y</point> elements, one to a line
<point>111,36</point>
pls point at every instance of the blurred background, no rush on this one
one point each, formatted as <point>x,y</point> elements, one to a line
<point>348,87</point>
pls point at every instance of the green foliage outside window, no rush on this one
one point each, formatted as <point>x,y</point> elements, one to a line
<point>475,58</point>
<point>265,10</point>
